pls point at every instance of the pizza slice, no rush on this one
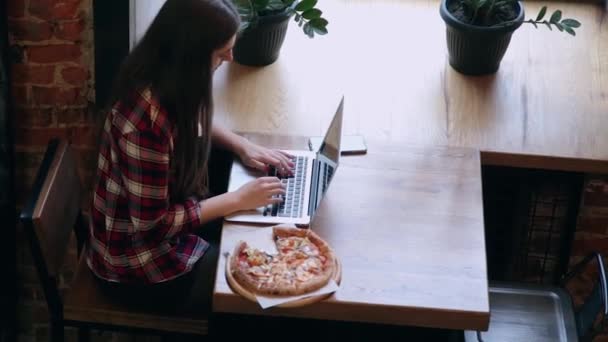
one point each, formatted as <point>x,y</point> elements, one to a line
<point>304,264</point>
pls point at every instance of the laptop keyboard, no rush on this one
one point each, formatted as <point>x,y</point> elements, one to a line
<point>329,171</point>
<point>293,202</point>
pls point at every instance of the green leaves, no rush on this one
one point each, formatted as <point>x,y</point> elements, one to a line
<point>310,18</point>
<point>541,14</point>
<point>246,12</point>
<point>319,26</point>
<point>556,17</point>
<point>305,5</point>
<point>486,12</point>
<point>308,30</point>
<point>567,25</point>
<point>474,5</point>
<point>260,4</point>
<point>275,5</point>
<point>315,25</point>
<point>312,13</point>
<point>571,23</point>
<point>305,14</point>
<point>569,30</point>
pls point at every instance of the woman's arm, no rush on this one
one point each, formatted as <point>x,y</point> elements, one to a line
<point>144,161</point>
<point>255,194</point>
<point>252,155</point>
<point>227,139</point>
<point>218,206</point>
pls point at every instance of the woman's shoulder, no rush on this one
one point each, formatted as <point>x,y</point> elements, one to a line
<point>140,111</point>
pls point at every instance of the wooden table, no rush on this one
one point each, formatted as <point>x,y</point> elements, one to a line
<point>407,226</point>
<point>546,107</point>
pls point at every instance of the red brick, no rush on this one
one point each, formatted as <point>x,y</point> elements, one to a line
<point>87,160</point>
<point>71,30</point>
<point>16,8</point>
<point>33,117</point>
<point>597,183</point>
<point>52,96</point>
<point>39,136</point>
<point>84,136</point>
<point>23,186</point>
<point>596,199</point>
<point>71,116</point>
<point>54,53</point>
<point>79,136</point>
<point>24,73</point>
<point>54,10</point>
<point>19,95</point>
<point>581,247</point>
<point>597,225</point>
<point>28,30</point>
<point>75,75</point>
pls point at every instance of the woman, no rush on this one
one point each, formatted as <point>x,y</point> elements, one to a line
<point>150,193</point>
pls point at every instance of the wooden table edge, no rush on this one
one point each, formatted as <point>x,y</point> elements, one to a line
<point>555,163</point>
<point>356,312</point>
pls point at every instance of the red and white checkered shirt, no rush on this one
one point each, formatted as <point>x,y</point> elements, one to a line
<point>137,234</point>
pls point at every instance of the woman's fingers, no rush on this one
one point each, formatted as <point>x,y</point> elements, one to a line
<point>286,158</point>
<point>258,165</point>
<point>275,200</point>
<point>279,191</point>
<point>269,159</point>
<point>287,155</point>
<point>269,180</point>
<point>285,165</point>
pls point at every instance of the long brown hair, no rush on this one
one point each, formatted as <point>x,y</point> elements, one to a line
<point>173,59</point>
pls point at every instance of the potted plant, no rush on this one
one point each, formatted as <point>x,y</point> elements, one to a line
<point>479,31</point>
<point>264,25</point>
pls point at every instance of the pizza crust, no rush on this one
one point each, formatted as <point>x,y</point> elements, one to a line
<point>260,285</point>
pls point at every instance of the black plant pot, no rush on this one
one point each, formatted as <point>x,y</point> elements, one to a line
<point>477,50</point>
<point>261,45</point>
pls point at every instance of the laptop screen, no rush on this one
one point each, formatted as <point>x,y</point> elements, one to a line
<point>328,158</point>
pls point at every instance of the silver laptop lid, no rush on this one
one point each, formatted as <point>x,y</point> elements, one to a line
<point>328,158</point>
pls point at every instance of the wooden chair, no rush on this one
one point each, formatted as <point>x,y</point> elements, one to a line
<point>526,312</point>
<point>49,216</point>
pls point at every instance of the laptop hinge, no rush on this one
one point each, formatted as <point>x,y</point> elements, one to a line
<point>314,187</point>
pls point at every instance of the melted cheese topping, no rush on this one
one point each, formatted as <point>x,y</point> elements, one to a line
<point>299,260</point>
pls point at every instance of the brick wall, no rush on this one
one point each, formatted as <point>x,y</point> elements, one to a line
<point>52,81</point>
<point>52,54</point>
<point>52,84</point>
<point>592,232</point>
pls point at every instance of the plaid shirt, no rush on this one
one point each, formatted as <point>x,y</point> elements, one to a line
<point>137,234</point>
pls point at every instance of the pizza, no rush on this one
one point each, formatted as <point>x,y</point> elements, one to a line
<point>304,263</point>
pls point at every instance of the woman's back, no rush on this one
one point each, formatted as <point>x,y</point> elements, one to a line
<point>137,235</point>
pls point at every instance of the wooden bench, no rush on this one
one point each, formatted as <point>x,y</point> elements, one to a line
<point>49,217</point>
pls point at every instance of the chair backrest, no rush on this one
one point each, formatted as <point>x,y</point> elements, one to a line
<point>50,214</point>
<point>596,303</point>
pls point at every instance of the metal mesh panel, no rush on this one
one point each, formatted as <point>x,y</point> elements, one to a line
<point>530,221</point>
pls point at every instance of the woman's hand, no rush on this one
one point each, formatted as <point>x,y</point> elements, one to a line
<point>259,157</point>
<point>259,193</point>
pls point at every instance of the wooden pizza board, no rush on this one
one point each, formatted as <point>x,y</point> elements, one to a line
<point>236,287</point>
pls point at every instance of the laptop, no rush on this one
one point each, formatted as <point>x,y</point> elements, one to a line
<point>304,190</point>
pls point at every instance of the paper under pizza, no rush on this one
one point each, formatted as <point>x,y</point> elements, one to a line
<point>304,263</point>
